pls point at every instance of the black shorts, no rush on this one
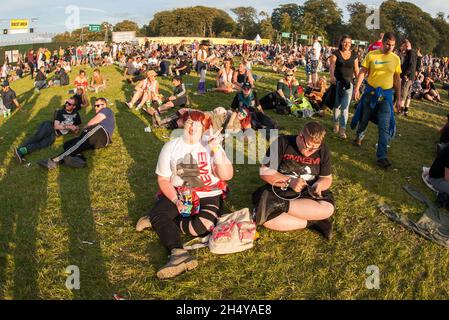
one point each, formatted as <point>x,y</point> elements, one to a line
<point>290,194</point>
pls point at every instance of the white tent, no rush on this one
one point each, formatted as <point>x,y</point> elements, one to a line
<point>258,39</point>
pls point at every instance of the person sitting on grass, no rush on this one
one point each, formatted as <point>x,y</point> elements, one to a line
<point>97,134</point>
<point>241,76</point>
<point>430,92</point>
<point>182,67</point>
<point>246,107</point>
<point>66,120</point>
<point>41,80</point>
<point>178,99</point>
<point>81,80</point>
<point>146,91</point>
<point>298,175</point>
<point>61,78</point>
<point>9,99</point>
<point>286,92</point>
<point>98,83</point>
<point>81,100</point>
<point>224,77</point>
<point>192,171</point>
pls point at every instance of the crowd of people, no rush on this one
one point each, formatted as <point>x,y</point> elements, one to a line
<point>297,170</point>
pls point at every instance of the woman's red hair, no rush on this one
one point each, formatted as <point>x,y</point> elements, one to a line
<point>197,116</point>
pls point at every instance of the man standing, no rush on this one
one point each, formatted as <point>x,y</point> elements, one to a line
<point>66,120</point>
<point>9,99</point>
<point>384,72</point>
<point>408,66</point>
<point>315,55</point>
<point>96,135</point>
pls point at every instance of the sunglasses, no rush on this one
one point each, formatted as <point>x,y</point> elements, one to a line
<point>307,147</point>
<point>69,103</point>
<point>99,105</point>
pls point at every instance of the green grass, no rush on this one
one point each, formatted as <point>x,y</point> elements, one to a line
<point>46,216</point>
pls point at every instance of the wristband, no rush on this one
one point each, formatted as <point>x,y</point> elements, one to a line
<point>286,184</point>
<point>215,149</point>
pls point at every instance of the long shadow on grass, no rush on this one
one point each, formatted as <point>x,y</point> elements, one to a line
<point>84,251</point>
<point>84,244</point>
<point>144,149</point>
<point>22,212</point>
<point>13,127</point>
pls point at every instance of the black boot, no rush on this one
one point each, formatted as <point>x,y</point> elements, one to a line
<point>270,204</point>
<point>323,227</point>
<point>171,125</point>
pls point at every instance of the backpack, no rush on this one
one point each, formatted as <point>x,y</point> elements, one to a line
<point>234,232</point>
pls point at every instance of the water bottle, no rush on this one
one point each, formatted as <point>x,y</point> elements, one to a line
<point>187,200</point>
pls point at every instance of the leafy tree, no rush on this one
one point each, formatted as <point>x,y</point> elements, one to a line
<point>265,26</point>
<point>286,23</point>
<point>322,17</point>
<point>246,22</point>
<point>293,10</point>
<point>126,25</point>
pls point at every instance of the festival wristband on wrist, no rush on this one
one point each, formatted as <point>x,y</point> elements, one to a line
<point>286,185</point>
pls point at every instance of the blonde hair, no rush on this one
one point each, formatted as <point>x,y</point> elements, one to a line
<point>315,131</point>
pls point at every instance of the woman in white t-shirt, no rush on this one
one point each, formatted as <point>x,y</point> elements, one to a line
<point>191,174</point>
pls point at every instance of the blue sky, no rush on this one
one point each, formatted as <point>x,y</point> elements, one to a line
<point>51,13</point>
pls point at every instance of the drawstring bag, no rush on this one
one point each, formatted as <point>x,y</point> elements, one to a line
<point>234,232</point>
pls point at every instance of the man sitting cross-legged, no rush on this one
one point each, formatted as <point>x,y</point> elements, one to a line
<point>298,175</point>
<point>66,120</point>
<point>96,135</point>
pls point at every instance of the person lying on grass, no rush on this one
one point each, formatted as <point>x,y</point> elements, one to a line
<point>298,174</point>
<point>66,120</point>
<point>191,174</point>
<point>219,118</point>
<point>97,134</point>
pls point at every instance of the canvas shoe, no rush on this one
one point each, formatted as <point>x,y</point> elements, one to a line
<point>179,262</point>
<point>143,224</point>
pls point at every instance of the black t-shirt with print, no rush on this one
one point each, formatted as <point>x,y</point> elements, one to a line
<point>68,118</point>
<point>291,162</point>
<point>8,98</point>
<point>440,163</point>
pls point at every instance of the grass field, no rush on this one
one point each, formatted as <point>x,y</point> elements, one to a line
<point>46,217</point>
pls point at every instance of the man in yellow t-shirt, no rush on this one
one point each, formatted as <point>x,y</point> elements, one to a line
<point>383,69</point>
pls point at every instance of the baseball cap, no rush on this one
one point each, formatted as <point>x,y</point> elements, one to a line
<point>5,83</point>
<point>246,85</point>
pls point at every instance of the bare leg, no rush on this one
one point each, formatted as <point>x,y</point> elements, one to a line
<point>135,98</point>
<point>285,222</point>
<point>166,106</point>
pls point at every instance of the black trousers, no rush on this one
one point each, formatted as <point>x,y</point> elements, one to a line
<point>44,137</point>
<point>31,65</point>
<point>168,223</point>
<point>91,138</point>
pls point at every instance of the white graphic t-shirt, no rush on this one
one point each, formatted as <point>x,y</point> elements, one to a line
<point>176,156</point>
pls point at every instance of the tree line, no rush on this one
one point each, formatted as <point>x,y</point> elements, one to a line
<point>319,17</point>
